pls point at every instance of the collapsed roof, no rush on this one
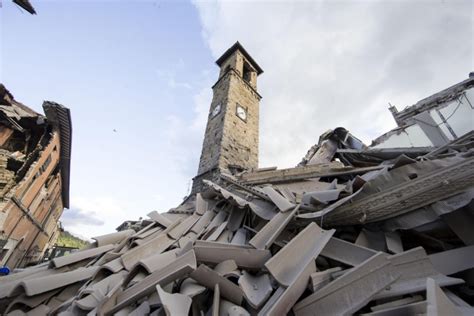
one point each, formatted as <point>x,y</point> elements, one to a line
<point>352,229</point>
<point>32,126</point>
<point>34,178</point>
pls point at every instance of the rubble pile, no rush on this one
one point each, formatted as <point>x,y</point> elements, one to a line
<point>351,230</point>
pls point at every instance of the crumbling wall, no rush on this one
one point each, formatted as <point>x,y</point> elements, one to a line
<point>30,183</point>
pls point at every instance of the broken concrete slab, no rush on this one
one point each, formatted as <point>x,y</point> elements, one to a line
<point>288,263</point>
<point>394,242</point>
<point>256,288</point>
<point>230,309</point>
<point>47,283</point>
<point>226,268</point>
<point>453,261</point>
<point>209,278</point>
<point>283,299</point>
<point>397,303</point>
<point>397,197</point>
<point>201,204</point>
<point>216,300</point>
<point>416,308</point>
<point>174,304</point>
<point>281,202</point>
<point>182,266</point>
<point>322,278</point>
<point>182,228</point>
<point>156,245</point>
<point>438,303</point>
<point>267,235</point>
<point>414,267</point>
<point>350,291</point>
<point>80,255</point>
<point>372,239</point>
<point>346,252</point>
<point>191,288</point>
<point>244,256</point>
<point>113,238</point>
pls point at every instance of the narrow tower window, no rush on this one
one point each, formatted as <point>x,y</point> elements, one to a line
<point>247,72</point>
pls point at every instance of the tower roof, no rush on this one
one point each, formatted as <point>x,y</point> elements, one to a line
<point>232,49</point>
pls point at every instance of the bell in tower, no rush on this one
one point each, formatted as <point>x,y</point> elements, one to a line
<point>231,137</point>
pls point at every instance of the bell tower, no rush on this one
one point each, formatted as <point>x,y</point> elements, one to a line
<point>231,137</point>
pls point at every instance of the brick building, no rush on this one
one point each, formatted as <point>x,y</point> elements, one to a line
<point>35,153</point>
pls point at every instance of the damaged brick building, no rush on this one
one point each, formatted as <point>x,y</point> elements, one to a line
<point>35,153</point>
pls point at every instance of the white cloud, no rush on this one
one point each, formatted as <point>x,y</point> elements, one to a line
<point>94,216</point>
<point>339,63</point>
<point>172,83</point>
<point>172,75</point>
<point>76,216</point>
<point>180,140</point>
<point>202,101</point>
<point>184,136</point>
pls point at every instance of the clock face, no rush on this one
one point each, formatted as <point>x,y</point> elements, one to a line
<point>241,112</point>
<point>216,110</point>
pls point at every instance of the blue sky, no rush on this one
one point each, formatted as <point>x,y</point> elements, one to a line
<point>117,67</point>
<point>145,69</point>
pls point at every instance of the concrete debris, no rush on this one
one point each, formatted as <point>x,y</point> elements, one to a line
<point>174,304</point>
<point>288,263</point>
<point>354,229</point>
<point>352,290</point>
<point>257,289</point>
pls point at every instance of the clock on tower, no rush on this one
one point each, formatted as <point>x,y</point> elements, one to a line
<point>231,136</point>
<point>241,113</point>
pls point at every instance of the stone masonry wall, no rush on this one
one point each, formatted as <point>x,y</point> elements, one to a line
<point>228,140</point>
<point>213,135</point>
<point>240,138</point>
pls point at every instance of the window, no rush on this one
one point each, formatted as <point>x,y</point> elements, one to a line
<point>46,164</point>
<point>247,73</point>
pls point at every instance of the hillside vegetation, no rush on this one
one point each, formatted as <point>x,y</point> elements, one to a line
<point>66,239</point>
